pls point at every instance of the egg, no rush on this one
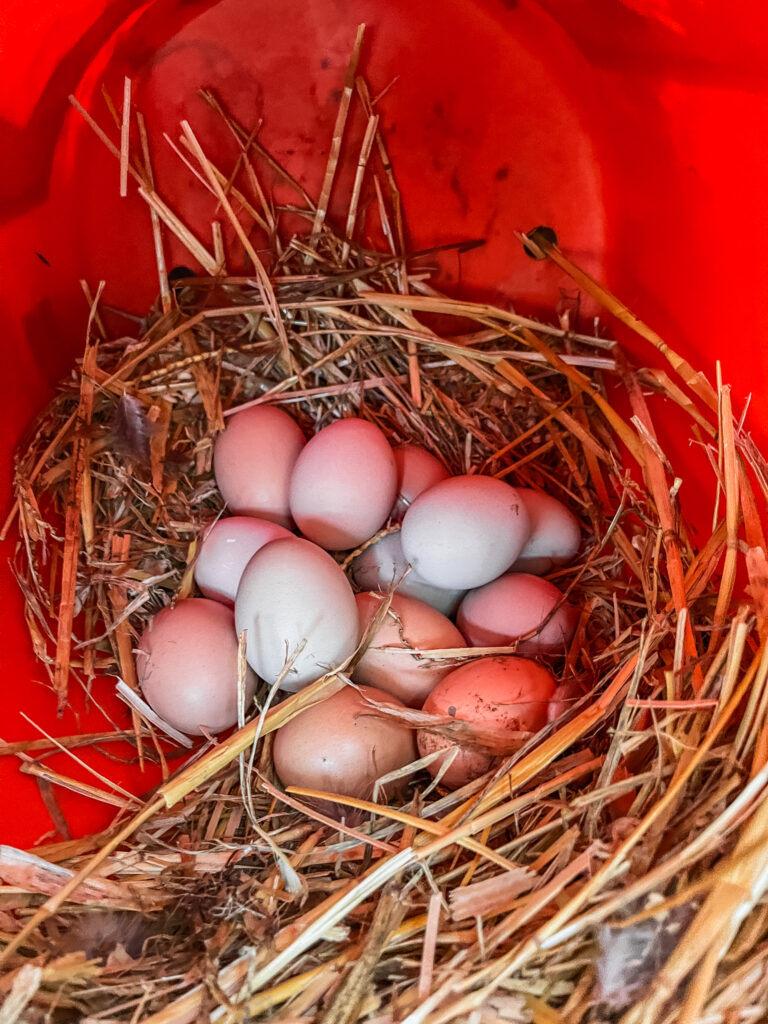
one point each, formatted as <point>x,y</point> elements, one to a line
<point>464,531</point>
<point>500,697</point>
<point>343,485</point>
<point>225,550</point>
<point>408,623</point>
<point>417,471</point>
<point>292,592</point>
<point>565,698</point>
<point>555,533</point>
<point>340,745</point>
<point>382,564</point>
<point>253,459</point>
<point>186,664</point>
<point>512,606</point>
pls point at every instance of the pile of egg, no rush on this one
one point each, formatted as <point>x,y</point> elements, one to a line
<point>463,571</point>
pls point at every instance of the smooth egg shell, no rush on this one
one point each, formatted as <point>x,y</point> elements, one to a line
<point>555,534</point>
<point>512,606</point>
<point>407,623</point>
<point>500,696</point>
<point>464,531</point>
<point>343,484</point>
<point>417,471</point>
<point>225,550</point>
<point>253,459</point>
<point>382,564</point>
<point>565,698</point>
<point>293,591</point>
<point>186,664</point>
<point>341,746</point>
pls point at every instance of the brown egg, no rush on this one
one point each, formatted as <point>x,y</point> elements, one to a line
<point>341,746</point>
<point>408,623</point>
<point>500,697</point>
<point>187,667</point>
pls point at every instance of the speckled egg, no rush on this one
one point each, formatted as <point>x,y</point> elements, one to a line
<point>502,697</point>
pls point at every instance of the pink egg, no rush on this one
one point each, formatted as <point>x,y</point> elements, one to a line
<point>512,606</point>
<point>187,667</point>
<point>417,471</point>
<point>226,548</point>
<point>343,485</point>
<point>253,460</point>
<point>501,698</point>
<point>464,531</point>
<point>340,745</point>
<point>555,534</point>
<point>408,623</point>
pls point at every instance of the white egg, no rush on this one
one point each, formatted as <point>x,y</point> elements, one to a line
<point>293,592</point>
<point>465,531</point>
<point>555,534</point>
<point>384,563</point>
<point>226,548</point>
<point>513,606</point>
<point>253,460</point>
<point>343,484</point>
<point>408,623</point>
<point>417,471</point>
<point>186,664</point>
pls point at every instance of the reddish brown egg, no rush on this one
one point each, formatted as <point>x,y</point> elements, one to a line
<point>501,698</point>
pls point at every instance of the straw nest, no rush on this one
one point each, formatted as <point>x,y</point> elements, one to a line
<point>614,868</point>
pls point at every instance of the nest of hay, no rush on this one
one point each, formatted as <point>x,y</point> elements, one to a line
<point>611,869</point>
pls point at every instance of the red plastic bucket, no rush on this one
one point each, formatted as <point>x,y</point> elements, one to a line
<point>634,128</point>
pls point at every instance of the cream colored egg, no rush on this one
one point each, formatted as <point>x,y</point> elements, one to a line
<point>514,606</point>
<point>225,550</point>
<point>503,699</point>
<point>186,664</point>
<point>292,593</point>
<point>253,459</point>
<point>464,531</point>
<point>417,471</point>
<point>383,565</point>
<point>408,623</point>
<point>341,745</point>
<point>555,534</point>
<point>343,484</point>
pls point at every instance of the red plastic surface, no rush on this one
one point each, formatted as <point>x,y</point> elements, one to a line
<point>634,128</point>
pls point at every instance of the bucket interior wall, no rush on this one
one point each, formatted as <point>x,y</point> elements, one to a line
<point>633,128</point>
